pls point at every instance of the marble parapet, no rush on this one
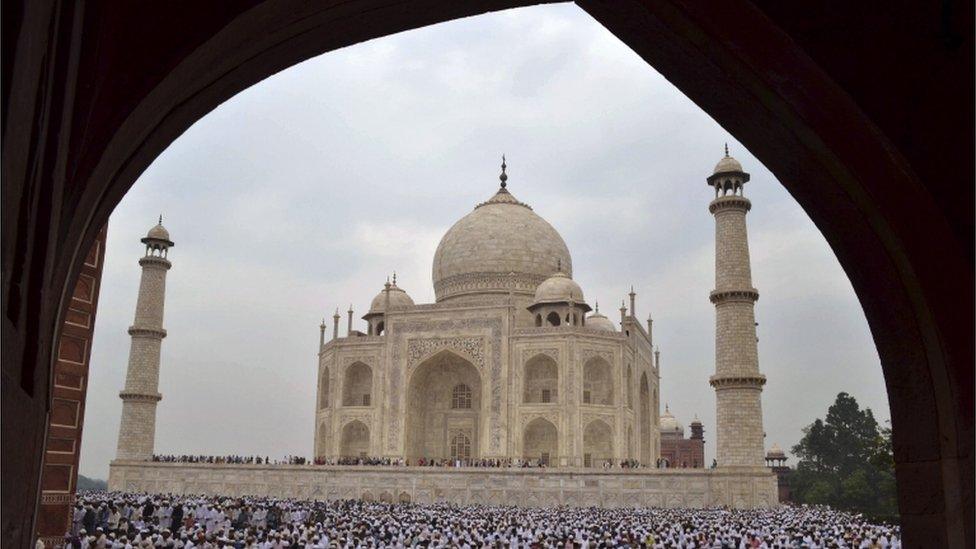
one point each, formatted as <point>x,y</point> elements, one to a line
<point>738,488</point>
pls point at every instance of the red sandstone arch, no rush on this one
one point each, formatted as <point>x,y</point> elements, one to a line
<point>843,106</point>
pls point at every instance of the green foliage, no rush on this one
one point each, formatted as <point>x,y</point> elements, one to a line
<point>85,483</point>
<point>846,462</point>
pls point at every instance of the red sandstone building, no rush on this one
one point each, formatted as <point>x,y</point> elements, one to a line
<point>678,451</point>
<point>776,460</point>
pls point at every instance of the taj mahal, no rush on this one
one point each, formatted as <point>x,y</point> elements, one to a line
<point>509,364</point>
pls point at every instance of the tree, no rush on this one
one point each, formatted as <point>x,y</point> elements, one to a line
<point>85,483</point>
<point>846,461</point>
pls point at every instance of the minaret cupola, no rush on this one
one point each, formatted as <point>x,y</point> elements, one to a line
<point>157,240</point>
<point>728,178</point>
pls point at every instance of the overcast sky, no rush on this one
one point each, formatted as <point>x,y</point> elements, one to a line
<point>302,193</point>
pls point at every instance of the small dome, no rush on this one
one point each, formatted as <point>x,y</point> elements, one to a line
<point>157,237</point>
<point>158,232</point>
<point>398,300</point>
<point>776,452</point>
<point>727,164</point>
<point>599,322</point>
<point>669,424</point>
<point>559,288</point>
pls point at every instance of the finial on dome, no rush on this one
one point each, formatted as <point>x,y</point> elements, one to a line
<point>726,150</point>
<point>503,176</point>
<point>596,307</point>
<point>394,278</point>
<point>667,408</point>
<point>160,219</point>
<point>559,265</point>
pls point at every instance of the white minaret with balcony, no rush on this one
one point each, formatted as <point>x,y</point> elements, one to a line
<point>737,381</point>
<point>137,431</point>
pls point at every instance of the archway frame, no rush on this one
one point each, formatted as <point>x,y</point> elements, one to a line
<point>350,374</point>
<point>559,454</point>
<point>533,362</point>
<point>479,408</point>
<point>345,429</point>
<point>90,143</point>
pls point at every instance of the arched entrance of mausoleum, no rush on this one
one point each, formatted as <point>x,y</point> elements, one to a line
<point>540,442</point>
<point>355,440</point>
<point>597,443</point>
<point>443,415</point>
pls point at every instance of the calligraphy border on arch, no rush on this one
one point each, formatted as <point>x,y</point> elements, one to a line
<point>370,360</point>
<point>586,353</point>
<point>469,348</point>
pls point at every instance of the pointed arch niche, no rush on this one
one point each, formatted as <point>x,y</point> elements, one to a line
<point>433,421</point>
<point>540,380</point>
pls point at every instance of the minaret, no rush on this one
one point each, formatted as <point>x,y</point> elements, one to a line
<point>737,381</point>
<point>322,335</point>
<point>137,432</point>
<point>349,327</point>
<point>335,324</point>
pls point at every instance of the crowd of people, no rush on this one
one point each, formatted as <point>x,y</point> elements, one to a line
<point>388,462</point>
<point>287,460</point>
<point>112,520</point>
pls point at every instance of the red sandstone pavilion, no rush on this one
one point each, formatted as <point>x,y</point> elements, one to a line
<point>506,366</point>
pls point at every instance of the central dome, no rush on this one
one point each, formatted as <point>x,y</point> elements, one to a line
<point>500,247</point>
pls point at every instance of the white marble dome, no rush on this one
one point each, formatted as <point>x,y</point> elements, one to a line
<point>158,232</point>
<point>727,164</point>
<point>501,246</point>
<point>600,322</point>
<point>669,424</point>
<point>775,452</point>
<point>559,288</point>
<point>399,299</point>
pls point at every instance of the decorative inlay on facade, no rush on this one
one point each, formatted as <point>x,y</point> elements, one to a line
<point>369,360</point>
<point>532,352</point>
<point>567,330</point>
<point>347,418</point>
<point>529,417</point>
<point>588,352</point>
<point>609,417</point>
<point>471,348</point>
<point>479,282</point>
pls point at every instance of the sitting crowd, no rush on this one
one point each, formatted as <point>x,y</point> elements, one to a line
<point>107,520</point>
